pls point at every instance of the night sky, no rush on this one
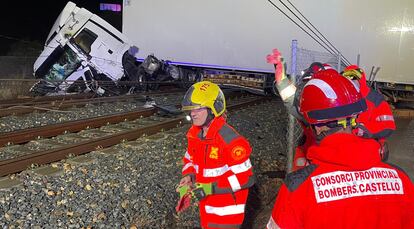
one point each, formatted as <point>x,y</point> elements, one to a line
<point>32,20</point>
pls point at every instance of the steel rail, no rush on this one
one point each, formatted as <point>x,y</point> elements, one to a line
<point>25,135</point>
<point>19,164</point>
<point>41,100</point>
<point>29,101</point>
<point>60,105</point>
<point>22,136</point>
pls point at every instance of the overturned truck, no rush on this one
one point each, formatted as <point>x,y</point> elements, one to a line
<point>85,53</point>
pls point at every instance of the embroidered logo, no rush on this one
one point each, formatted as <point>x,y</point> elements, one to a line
<point>238,152</point>
<point>213,153</point>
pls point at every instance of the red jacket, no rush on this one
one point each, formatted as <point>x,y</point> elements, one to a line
<point>346,186</point>
<point>221,158</point>
<point>307,140</point>
<point>378,119</point>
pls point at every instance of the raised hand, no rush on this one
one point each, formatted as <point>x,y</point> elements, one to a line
<point>277,59</point>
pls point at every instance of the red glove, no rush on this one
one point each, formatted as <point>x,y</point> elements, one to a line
<point>277,59</point>
<point>183,203</point>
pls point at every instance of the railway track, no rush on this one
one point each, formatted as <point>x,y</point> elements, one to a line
<point>22,136</point>
<point>42,100</point>
<point>25,106</point>
<point>44,151</point>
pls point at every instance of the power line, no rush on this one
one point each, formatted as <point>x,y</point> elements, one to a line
<point>330,51</point>
<point>306,25</point>
<point>332,46</point>
<point>325,46</point>
<point>313,27</point>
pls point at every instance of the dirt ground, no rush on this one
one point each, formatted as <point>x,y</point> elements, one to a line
<point>401,145</point>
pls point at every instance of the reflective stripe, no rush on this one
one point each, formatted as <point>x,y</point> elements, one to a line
<point>272,224</point>
<point>323,86</point>
<point>215,172</point>
<point>186,166</point>
<point>327,67</point>
<point>187,156</point>
<point>242,167</point>
<point>228,210</point>
<point>385,118</point>
<point>355,83</point>
<point>234,183</point>
<point>287,92</point>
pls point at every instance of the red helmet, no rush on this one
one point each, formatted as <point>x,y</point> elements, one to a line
<point>314,68</point>
<point>353,72</point>
<point>328,97</point>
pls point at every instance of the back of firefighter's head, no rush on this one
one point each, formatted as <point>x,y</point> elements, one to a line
<point>315,67</point>
<point>205,101</point>
<point>330,103</point>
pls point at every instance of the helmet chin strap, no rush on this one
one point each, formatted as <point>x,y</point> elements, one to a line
<point>210,117</point>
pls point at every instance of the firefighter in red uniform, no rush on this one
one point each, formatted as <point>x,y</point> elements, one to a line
<point>346,185</point>
<point>289,92</point>
<point>217,160</point>
<point>377,121</point>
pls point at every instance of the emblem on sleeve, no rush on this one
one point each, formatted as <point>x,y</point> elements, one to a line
<point>213,153</point>
<point>238,152</point>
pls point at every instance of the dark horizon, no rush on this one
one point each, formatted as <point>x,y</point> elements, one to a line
<point>32,20</point>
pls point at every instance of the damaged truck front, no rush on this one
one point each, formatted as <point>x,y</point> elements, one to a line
<point>85,53</point>
<point>82,53</point>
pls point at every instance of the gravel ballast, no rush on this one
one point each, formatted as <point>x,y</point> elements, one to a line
<point>132,185</point>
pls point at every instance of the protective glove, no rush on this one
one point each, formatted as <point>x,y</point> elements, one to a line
<point>277,59</point>
<point>185,198</point>
<point>184,188</point>
<point>202,190</point>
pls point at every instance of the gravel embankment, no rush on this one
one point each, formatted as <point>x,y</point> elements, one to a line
<point>135,188</point>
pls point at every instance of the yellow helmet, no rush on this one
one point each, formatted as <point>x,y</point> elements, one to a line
<point>205,94</point>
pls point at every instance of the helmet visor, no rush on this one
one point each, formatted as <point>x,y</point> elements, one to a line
<point>187,104</point>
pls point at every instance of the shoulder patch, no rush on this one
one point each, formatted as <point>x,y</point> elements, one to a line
<point>295,179</point>
<point>227,133</point>
<point>238,153</point>
<point>375,97</point>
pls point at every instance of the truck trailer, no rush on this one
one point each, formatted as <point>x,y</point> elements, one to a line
<point>85,53</point>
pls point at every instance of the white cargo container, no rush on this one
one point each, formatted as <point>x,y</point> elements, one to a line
<point>239,33</point>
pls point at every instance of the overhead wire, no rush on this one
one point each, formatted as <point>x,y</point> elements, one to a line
<point>327,49</point>
<point>348,62</point>
<point>332,50</point>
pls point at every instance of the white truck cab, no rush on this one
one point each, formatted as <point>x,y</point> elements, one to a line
<point>83,48</point>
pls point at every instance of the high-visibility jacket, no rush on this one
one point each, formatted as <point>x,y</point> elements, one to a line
<point>378,119</point>
<point>220,158</point>
<point>346,186</point>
